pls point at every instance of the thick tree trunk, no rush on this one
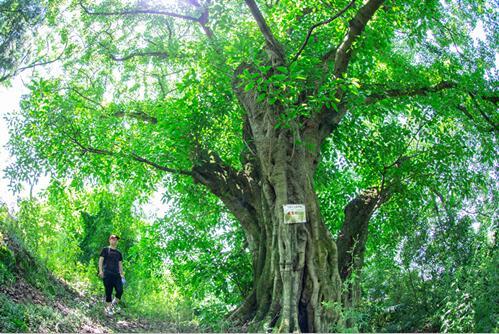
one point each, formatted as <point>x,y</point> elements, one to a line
<point>296,264</point>
<point>297,285</point>
<point>296,279</point>
<point>295,269</point>
<point>298,269</point>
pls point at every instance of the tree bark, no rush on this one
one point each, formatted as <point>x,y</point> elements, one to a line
<point>297,284</point>
<point>351,242</point>
<point>295,266</point>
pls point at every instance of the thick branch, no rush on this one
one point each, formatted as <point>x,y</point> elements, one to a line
<point>202,20</point>
<point>157,166</point>
<point>277,52</point>
<point>330,116</point>
<point>356,27</point>
<point>236,189</point>
<point>353,235</point>
<point>358,212</point>
<point>407,92</point>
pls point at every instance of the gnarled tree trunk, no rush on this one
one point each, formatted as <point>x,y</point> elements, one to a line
<point>297,285</point>
<point>298,268</point>
<point>295,266</point>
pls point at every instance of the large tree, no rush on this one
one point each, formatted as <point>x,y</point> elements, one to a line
<point>246,97</point>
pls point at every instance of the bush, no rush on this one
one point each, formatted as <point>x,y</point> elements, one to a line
<point>12,316</point>
<point>7,263</point>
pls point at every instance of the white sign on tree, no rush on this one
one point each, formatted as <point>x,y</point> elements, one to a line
<point>294,213</point>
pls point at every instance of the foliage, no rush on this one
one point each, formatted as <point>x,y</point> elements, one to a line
<point>17,17</point>
<point>472,303</point>
<point>439,279</point>
<point>11,316</point>
<point>207,252</point>
<point>94,107</point>
<point>7,263</point>
<point>68,229</point>
<point>21,22</point>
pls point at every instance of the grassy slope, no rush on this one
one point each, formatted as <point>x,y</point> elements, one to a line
<point>33,300</point>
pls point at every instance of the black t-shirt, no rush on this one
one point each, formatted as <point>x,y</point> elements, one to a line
<point>111,259</point>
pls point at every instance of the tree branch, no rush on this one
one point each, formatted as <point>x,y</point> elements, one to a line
<point>202,20</point>
<point>423,91</point>
<point>356,26</point>
<point>235,188</point>
<point>491,99</point>
<point>358,212</point>
<point>407,92</point>
<point>139,11</point>
<point>337,15</point>
<point>140,54</point>
<point>86,97</point>
<point>133,156</point>
<point>32,65</point>
<point>353,235</point>
<point>330,116</point>
<point>140,115</point>
<point>274,47</point>
<point>160,167</point>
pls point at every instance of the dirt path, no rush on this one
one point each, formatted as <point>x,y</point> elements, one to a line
<point>122,325</point>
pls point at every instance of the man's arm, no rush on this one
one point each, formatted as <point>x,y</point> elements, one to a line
<point>101,264</point>
<point>120,266</point>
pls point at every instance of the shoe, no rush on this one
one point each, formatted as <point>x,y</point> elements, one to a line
<point>108,311</point>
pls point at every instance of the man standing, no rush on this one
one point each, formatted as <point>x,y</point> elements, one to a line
<point>111,271</point>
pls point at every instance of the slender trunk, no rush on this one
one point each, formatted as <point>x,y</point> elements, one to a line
<point>351,243</point>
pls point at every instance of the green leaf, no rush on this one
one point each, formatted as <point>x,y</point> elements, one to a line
<point>249,86</point>
<point>282,69</point>
<point>261,97</point>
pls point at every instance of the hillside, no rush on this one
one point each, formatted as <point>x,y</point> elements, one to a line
<point>33,300</point>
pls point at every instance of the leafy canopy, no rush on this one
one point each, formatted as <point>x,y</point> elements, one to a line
<point>153,81</point>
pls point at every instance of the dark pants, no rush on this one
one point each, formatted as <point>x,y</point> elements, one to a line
<point>112,281</point>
